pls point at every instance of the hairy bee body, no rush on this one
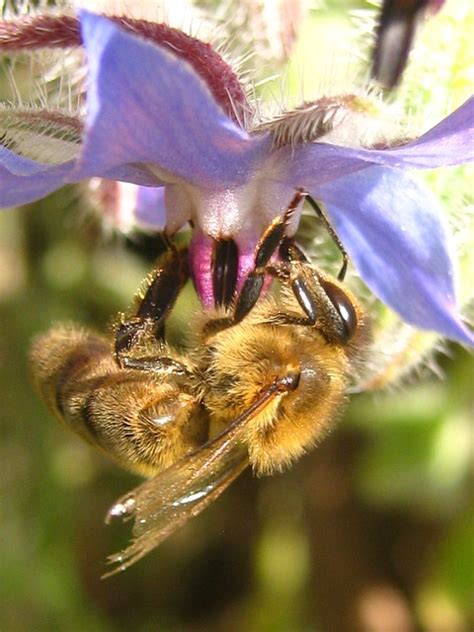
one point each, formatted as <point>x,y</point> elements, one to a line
<point>241,361</point>
<point>148,419</point>
<point>262,381</point>
<point>144,421</point>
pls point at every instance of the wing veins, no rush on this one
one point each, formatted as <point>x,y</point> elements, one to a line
<point>165,503</point>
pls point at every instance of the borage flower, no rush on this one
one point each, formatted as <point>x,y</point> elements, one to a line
<point>179,123</point>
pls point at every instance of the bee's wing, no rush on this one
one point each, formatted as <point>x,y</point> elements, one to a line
<point>166,502</point>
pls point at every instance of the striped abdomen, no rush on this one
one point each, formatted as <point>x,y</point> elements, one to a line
<point>146,422</point>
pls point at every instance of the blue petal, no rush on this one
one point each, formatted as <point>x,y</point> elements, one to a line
<point>23,180</point>
<point>393,230</point>
<point>451,142</point>
<point>146,105</point>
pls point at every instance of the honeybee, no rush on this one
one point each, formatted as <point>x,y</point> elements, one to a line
<point>263,381</point>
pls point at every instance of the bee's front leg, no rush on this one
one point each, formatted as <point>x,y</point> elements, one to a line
<point>269,243</point>
<point>155,301</point>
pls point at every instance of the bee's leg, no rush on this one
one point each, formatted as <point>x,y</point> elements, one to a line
<point>332,233</point>
<point>163,288</point>
<point>162,365</point>
<point>269,242</point>
<point>284,271</point>
<point>290,251</point>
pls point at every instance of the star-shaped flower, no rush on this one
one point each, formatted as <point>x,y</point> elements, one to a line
<point>153,119</point>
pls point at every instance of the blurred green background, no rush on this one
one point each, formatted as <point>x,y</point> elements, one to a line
<point>372,531</point>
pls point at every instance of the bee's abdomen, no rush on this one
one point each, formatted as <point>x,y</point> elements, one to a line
<point>63,356</point>
<point>143,422</point>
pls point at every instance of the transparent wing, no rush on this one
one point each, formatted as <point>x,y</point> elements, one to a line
<point>166,502</point>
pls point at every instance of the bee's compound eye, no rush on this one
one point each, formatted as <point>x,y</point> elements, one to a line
<point>344,308</point>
